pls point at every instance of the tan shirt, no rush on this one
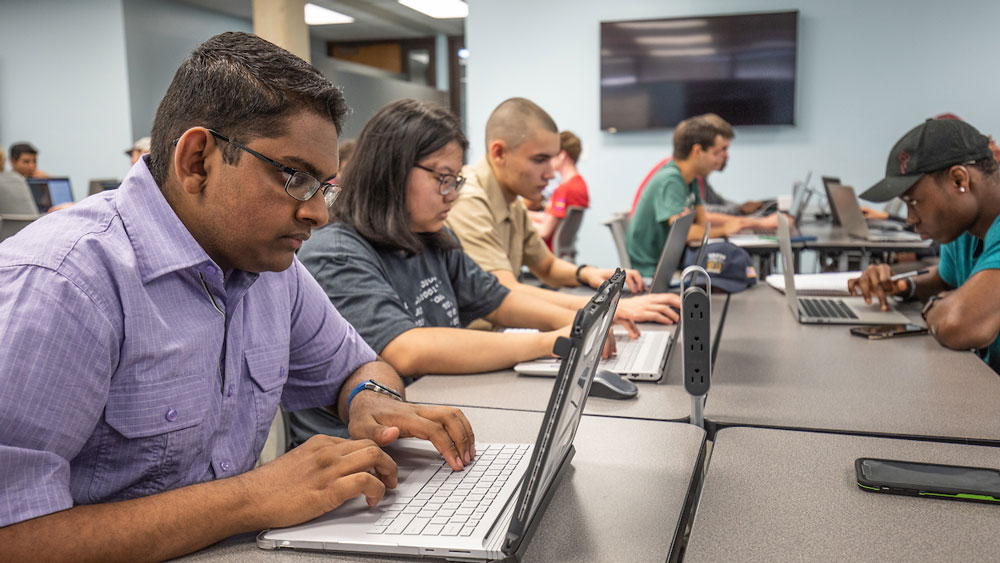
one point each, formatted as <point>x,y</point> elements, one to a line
<point>497,235</point>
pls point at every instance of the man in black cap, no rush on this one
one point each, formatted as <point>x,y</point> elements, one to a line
<point>945,172</point>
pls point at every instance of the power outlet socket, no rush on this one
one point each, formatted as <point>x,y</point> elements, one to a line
<point>695,336</point>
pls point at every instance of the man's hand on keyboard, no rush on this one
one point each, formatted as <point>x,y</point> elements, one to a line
<point>316,477</point>
<point>654,307</point>
<point>383,420</point>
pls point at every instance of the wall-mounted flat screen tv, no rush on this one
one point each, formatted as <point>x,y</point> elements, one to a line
<point>655,73</point>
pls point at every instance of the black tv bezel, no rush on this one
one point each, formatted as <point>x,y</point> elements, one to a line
<point>601,47</point>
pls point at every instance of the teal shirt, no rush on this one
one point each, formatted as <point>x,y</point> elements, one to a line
<point>664,196</point>
<point>958,265</point>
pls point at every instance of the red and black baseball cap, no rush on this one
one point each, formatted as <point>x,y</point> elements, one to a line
<point>933,145</point>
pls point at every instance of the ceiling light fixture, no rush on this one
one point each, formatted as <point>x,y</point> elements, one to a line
<point>318,15</point>
<point>439,9</point>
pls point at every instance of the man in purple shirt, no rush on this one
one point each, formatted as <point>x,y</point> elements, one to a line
<point>148,334</point>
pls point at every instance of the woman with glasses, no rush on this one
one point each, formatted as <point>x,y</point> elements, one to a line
<point>398,275</point>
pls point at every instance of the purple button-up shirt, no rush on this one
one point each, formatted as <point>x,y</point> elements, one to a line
<point>129,366</point>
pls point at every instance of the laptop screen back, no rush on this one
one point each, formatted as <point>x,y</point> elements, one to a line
<point>851,217</point>
<point>827,181</point>
<point>787,263</point>
<point>673,250</point>
<point>569,396</point>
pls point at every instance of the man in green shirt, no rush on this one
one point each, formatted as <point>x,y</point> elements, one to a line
<point>699,148</point>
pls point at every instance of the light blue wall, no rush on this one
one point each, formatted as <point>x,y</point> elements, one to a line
<point>63,86</point>
<point>159,34</point>
<point>867,72</point>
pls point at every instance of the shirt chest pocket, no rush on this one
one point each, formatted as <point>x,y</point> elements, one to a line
<point>267,367</point>
<point>158,430</point>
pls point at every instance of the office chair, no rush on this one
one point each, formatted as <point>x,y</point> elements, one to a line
<point>618,223</point>
<point>17,206</point>
<point>564,239</point>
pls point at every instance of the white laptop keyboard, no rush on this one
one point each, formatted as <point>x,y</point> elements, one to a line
<point>630,352</point>
<point>452,503</point>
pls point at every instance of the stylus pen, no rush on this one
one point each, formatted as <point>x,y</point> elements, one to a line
<point>911,274</point>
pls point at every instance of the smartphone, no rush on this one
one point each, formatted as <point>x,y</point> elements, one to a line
<point>887,331</point>
<point>953,482</point>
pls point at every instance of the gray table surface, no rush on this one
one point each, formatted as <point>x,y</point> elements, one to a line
<point>777,496</point>
<point>831,237</point>
<point>665,400</point>
<point>773,371</point>
<point>623,468</point>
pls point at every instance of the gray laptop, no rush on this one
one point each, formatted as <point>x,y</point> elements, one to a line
<point>488,511</point>
<point>828,310</point>
<point>843,199</point>
<point>49,192</point>
<point>673,251</point>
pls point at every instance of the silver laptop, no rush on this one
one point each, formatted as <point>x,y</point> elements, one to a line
<point>488,511</point>
<point>828,310</point>
<point>673,251</point>
<point>853,221</point>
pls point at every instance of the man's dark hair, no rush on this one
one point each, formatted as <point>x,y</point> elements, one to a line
<point>515,120</point>
<point>988,167</point>
<point>17,149</point>
<point>693,131</point>
<point>373,200</point>
<point>241,86</point>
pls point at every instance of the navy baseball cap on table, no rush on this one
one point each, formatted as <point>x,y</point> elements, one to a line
<point>729,266</point>
<point>933,145</point>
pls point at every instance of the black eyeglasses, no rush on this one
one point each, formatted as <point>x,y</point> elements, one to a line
<point>447,183</point>
<point>300,185</point>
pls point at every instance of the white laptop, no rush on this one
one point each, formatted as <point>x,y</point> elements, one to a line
<point>488,511</point>
<point>828,310</point>
<point>853,221</point>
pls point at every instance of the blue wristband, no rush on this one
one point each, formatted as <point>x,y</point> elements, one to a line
<point>375,386</point>
<point>359,388</point>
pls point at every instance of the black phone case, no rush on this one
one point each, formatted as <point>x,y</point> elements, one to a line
<point>906,489</point>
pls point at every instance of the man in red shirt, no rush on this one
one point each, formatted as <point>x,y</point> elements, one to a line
<point>572,190</point>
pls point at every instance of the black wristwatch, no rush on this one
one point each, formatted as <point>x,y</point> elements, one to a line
<point>931,301</point>
<point>578,270</point>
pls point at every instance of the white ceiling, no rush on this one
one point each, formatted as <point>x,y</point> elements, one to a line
<point>373,19</point>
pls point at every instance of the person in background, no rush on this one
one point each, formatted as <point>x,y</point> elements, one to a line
<point>699,146</point>
<point>495,230</point>
<point>145,346</point>
<point>347,149</point>
<point>138,148</point>
<point>713,202</point>
<point>571,192</point>
<point>945,172</point>
<point>24,160</point>
<point>395,272</point>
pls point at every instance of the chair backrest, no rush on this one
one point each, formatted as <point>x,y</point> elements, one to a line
<point>17,206</point>
<point>564,239</point>
<point>15,195</point>
<point>618,224</point>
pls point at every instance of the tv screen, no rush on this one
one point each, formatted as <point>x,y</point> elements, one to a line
<point>655,73</point>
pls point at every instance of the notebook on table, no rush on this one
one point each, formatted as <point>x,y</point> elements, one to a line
<point>488,511</point>
<point>828,310</point>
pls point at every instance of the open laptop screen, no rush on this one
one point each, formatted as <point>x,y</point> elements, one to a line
<point>49,192</point>
<point>555,437</point>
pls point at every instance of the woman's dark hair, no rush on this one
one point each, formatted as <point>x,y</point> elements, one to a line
<point>373,201</point>
<point>241,86</point>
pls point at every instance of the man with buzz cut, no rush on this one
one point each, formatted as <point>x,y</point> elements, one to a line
<point>700,145</point>
<point>145,344</point>
<point>945,172</point>
<point>496,231</point>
